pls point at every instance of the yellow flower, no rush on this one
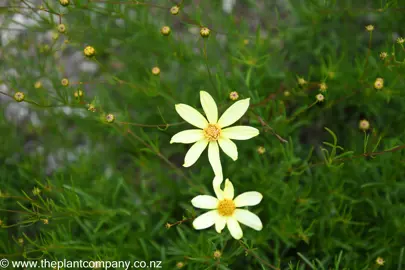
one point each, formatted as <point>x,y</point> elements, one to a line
<point>400,40</point>
<point>213,133</point>
<point>224,210</point>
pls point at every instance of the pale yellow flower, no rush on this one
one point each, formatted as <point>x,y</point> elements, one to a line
<point>380,261</point>
<point>224,210</point>
<point>213,133</point>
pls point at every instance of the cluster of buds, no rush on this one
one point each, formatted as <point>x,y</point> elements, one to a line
<point>36,191</point>
<point>78,94</point>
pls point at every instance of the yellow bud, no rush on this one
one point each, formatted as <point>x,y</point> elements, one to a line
<point>217,254</point>
<point>19,96</point>
<point>38,85</point>
<point>89,51</point>
<point>379,83</point>
<point>165,30</point>
<point>205,32</point>
<point>364,125</point>
<point>64,3</point>
<point>65,82</point>
<point>156,71</point>
<point>174,10</point>
<point>61,28</point>
<point>233,95</point>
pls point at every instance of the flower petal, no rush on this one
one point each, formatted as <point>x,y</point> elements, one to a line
<point>248,218</point>
<point>229,147</point>
<point>216,183</point>
<point>205,202</point>
<point>209,107</point>
<point>228,190</point>
<point>249,198</point>
<point>191,115</point>
<point>213,157</point>
<point>234,228</point>
<point>220,223</point>
<point>205,220</point>
<point>240,132</point>
<point>194,152</point>
<point>188,136</point>
<point>234,113</point>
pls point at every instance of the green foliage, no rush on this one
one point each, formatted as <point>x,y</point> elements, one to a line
<point>78,188</point>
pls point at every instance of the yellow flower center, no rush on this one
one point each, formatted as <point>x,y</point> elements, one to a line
<point>212,132</point>
<point>226,207</point>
